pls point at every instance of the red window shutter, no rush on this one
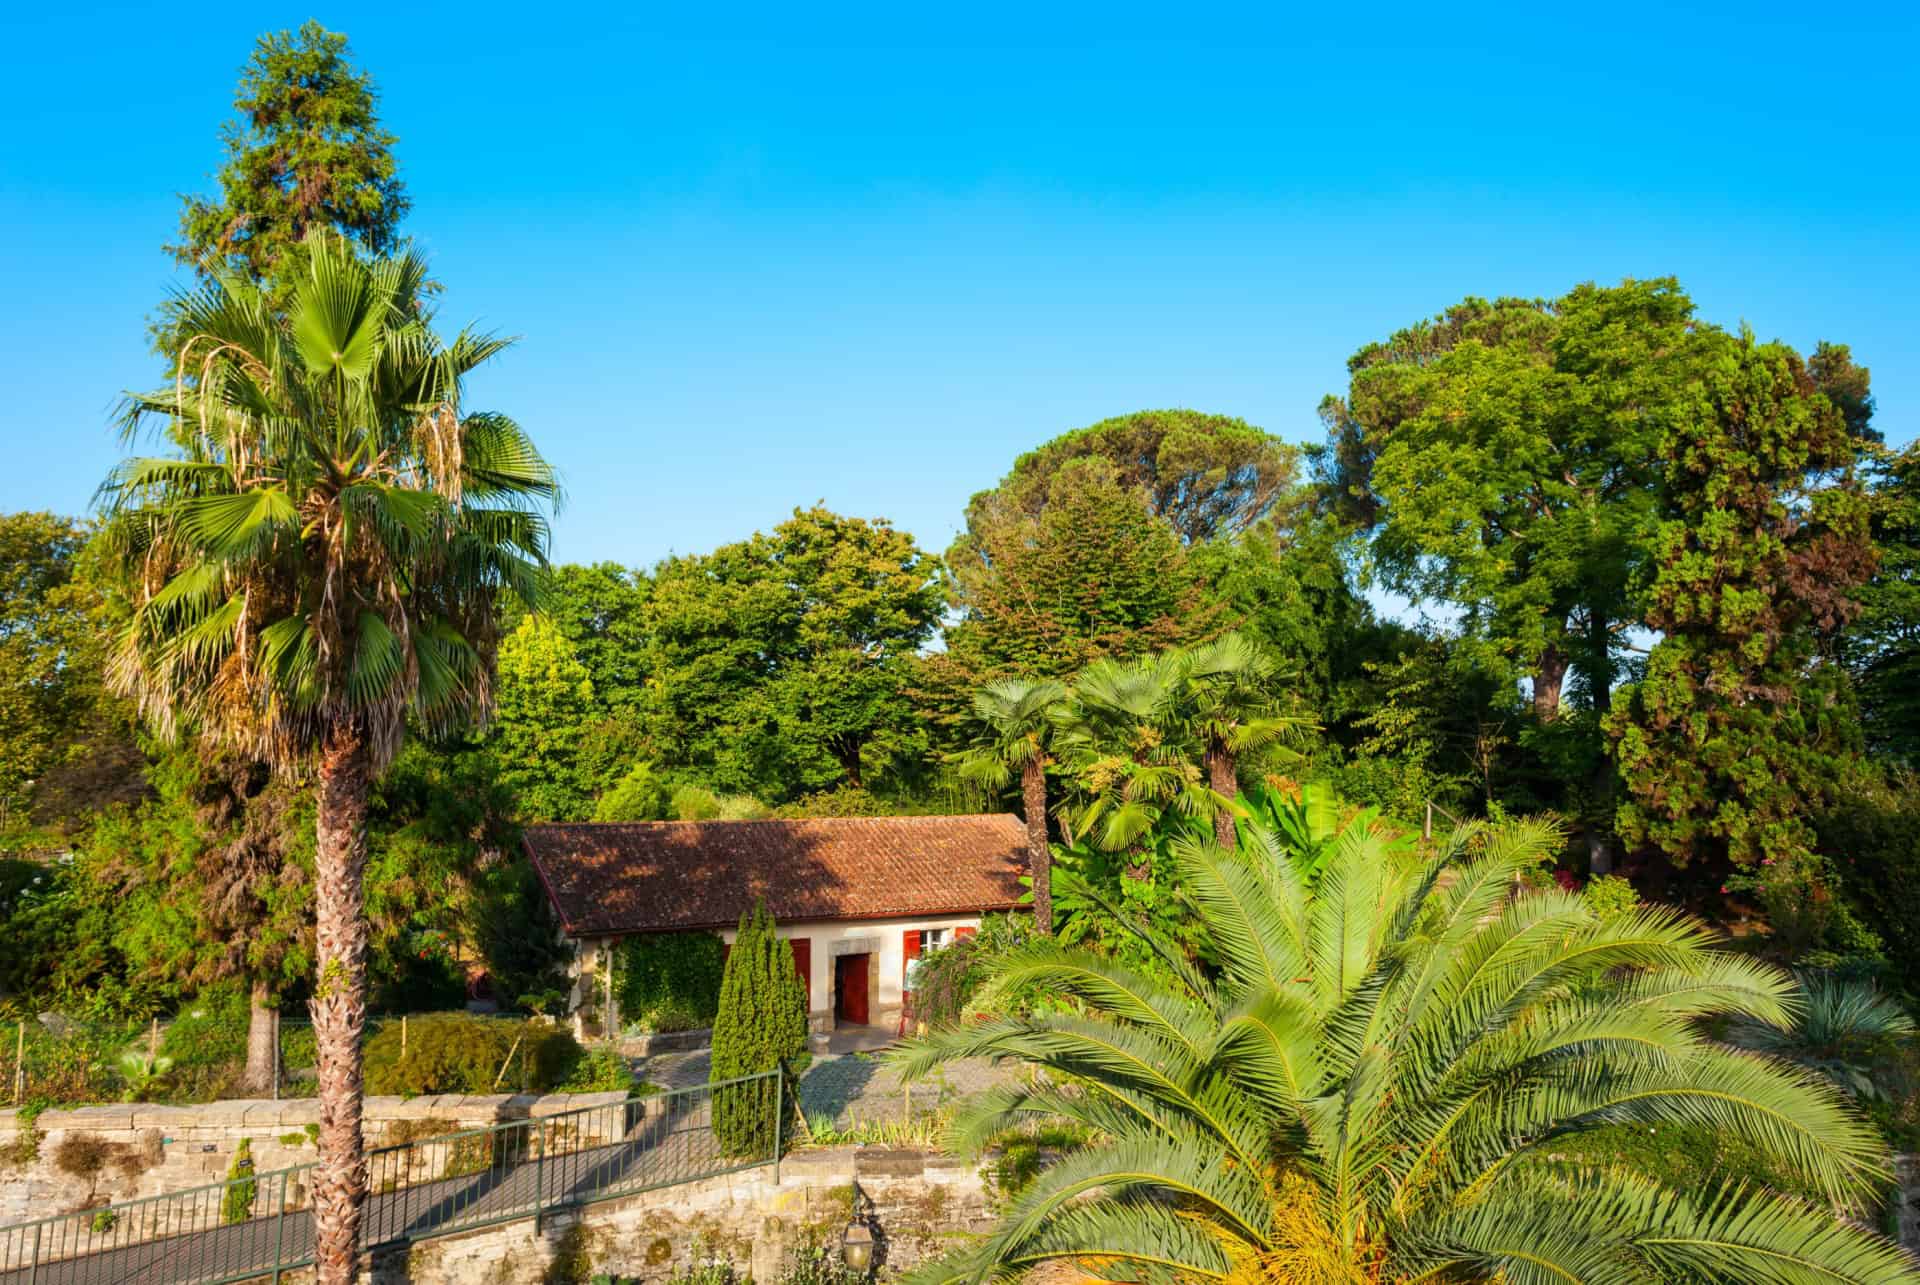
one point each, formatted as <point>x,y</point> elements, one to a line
<point>803,961</point>
<point>910,951</point>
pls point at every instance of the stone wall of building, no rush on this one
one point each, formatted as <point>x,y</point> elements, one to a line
<point>142,1150</point>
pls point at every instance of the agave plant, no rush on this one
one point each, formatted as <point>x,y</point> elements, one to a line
<point>1844,1031</point>
<point>1372,1083</point>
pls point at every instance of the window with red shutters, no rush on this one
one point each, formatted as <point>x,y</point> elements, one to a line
<point>803,963</point>
<point>909,951</point>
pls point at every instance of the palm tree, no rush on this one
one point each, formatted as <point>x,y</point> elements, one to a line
<point>316,565</point>
<point>1134,759</point>
<point>1371,1088</point>
<point>1017,719</point>
<point>1227,691</point>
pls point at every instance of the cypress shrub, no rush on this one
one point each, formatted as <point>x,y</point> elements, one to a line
<point>761,1025</point>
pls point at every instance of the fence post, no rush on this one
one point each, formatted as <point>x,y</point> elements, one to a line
<point>539,1168</point>
<point>779,1115</point>
<point>280,1215</point>
<point>1426,830</point>
<point>276,1078</point>
<point>33,1268</point>
<point>20,1063</point>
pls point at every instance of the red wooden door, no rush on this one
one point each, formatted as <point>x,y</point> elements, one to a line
<point>850,989</point>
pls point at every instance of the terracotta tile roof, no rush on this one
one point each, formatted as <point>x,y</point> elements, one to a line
<point>667,875</point>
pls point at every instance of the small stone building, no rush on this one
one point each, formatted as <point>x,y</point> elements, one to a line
<point>859,897</point>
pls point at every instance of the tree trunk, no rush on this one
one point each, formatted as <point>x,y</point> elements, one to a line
<point>1600,781</point>
<point>1033,794</point>
<point>1547,683</point>
<point>847,749</point>
<point>1223,779</point>
<point>339,1003</point>
<point>260,1034</point>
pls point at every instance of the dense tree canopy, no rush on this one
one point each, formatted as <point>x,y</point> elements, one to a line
<point>778,665</point>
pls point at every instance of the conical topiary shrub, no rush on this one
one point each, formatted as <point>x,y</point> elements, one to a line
<point>761,1025</point>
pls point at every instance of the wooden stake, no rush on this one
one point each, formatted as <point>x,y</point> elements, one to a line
<point>20,1064</point>
<point>403,1035</point>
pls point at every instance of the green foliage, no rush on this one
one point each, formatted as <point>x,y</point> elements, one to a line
<point>236,1205</point>
<point>465,1053</point>
<point>1048,582</point>
<point>64,747</point>
<point>669,981</point>
<point>779,663</point>
<point>1881,648</point>
<point>307,152</point>
<point>761,1025</point>
<point>1504,457</point>
<point>598,1070</point>
<point>1609,897</point>
<point>1371,1083</point>
<point>698,803</point>
<point>1738,733</point>
<point>816,1260</point>
<point>1872,842</point>
<point>542,725</point>
<point>640,796</point>
<point>1847,1030</point>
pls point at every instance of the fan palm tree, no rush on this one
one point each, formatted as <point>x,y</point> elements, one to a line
<point>1134,760</point>
<point>316,565</point>
<point>1016,720</point>
<point>1228,692</point>
<point>1372,1085</point>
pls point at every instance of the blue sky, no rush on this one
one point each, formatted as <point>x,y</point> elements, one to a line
<point>764,256</point>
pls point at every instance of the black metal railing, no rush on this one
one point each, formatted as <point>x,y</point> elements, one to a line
<point>262,1225</point>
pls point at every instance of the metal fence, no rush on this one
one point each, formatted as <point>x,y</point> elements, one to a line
<point>263,1225</point>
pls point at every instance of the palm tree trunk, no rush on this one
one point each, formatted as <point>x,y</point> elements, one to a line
<point>1223,778</point>
<point>340,1003</point>
<point>1033,793</point>
<point>258,1077</point>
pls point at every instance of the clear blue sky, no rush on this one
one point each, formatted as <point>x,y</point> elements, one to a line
<point>766,256</point>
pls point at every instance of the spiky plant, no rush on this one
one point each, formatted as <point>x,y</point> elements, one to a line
<point>1372,1085</point>
<point>1845,1030</point>
<point>315,567</point>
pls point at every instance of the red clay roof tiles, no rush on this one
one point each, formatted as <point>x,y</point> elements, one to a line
<point>658,876</point>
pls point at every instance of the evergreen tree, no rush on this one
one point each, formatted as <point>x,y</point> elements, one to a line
<point>1740,731</point>
<point>306,152</point>
<point>762,1024</point>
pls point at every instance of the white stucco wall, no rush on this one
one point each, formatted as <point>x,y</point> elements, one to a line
<point>885,939</point>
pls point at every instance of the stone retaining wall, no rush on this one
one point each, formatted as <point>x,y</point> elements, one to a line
<point>154,1150</point>
<point>918,1204</point>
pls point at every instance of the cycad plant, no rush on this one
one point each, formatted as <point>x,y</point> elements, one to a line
<point>1372,1083</point>
<point>314,567</point>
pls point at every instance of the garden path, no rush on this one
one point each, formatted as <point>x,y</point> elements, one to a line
<point>848,1088</point>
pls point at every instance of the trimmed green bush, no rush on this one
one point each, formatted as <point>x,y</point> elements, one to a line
<point>465,1053</point>
<point>762,1023</point>
<point>1609,897</point>
<point>640,796</point>
<point>669,981</point>
<point>242,1187</point>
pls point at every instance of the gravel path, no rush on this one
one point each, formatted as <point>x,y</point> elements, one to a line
<point>848,1088</point>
